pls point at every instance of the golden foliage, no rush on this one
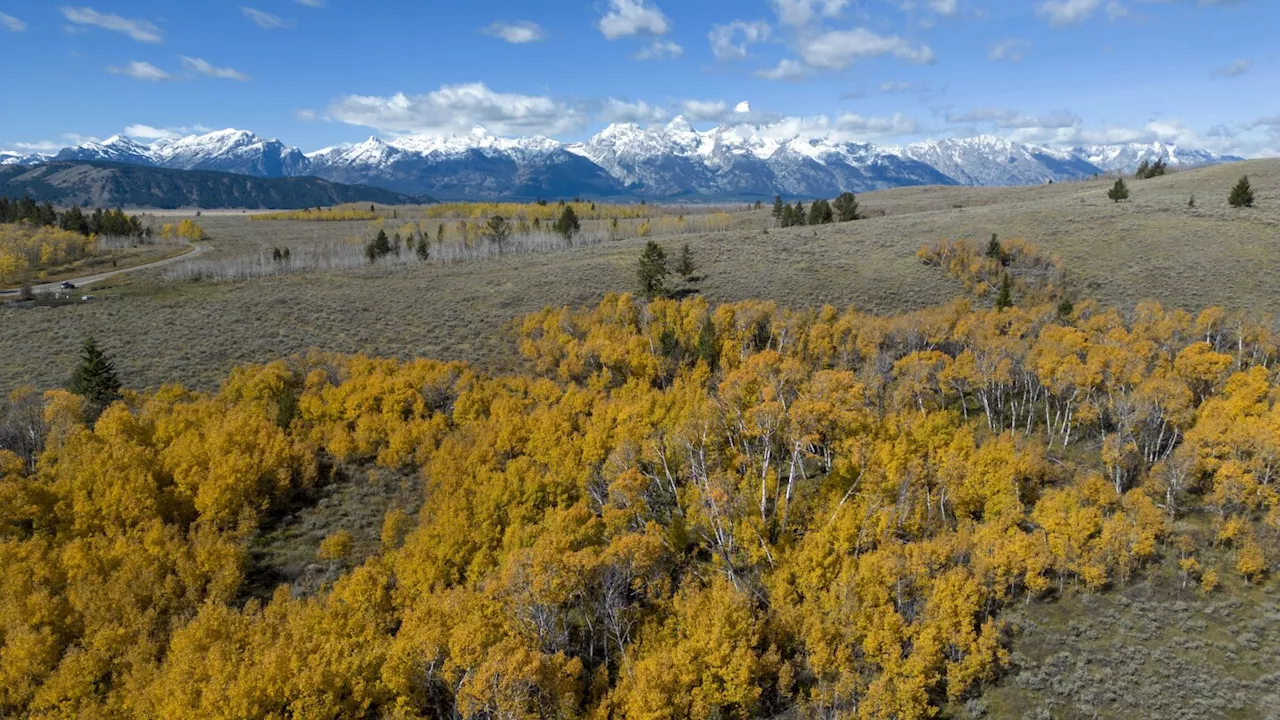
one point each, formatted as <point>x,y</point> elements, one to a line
<point>342,213</point>
<point>681,512</point>
<point>25,249</point>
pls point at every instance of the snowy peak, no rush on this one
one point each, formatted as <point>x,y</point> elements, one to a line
<point>671,160</point>
<point>1127,157</point>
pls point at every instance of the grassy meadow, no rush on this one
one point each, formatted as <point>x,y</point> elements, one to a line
<point>162,329</point>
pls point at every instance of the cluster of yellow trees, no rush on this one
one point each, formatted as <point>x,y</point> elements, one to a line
<point>187,230</point>
<point>679,512</point>
<point>26,249</point>
<point>341,213</point>
<point>545,212</point>
<point>1034,276</point>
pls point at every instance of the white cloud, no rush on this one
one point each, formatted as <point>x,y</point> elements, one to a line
<point>787,70</point>
<point>516,33</point>
<point>632,17</point>
<point>620,111</point>
<point>458,109</point>
<point>305,115</point>
<point>1068,12</point>
<point>197,65</point>
<point>839,49</point>
<point>798,13</point>
<point>847,127</point>
<point>11,23</point>
<point>660,50</point>
<point>140,30</point>
<point>711,110</point>
<point>139,70</point>
<point>722,38</point>
<point>944,7</point>
<point>265,20</point>
<point>1008,50</point>
<point>146,132</point>
<point>1011,119</point>
<point>311,3</point>
<point>895,86</point>
<point>1235,69</point>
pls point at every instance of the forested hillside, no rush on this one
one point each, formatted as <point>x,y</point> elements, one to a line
<point>116,185</point>
<point>678,511</point>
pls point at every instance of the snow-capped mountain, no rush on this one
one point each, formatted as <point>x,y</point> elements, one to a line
<point>116,148</point>
<point>671,161</point>
<point>477,165</point>
<point>739,160</point>
<point>1127,157</point>
<point>236,151</point>
<point>987,160</point>
<point>10,157</point>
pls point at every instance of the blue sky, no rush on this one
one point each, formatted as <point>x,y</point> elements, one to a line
<point>1204,73</point>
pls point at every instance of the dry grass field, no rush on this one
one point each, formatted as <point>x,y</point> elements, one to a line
<point>1152,246</point>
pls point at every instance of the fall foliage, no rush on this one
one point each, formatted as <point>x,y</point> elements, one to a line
<point>678,511</point>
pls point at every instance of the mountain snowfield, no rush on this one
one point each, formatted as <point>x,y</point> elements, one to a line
<point>673,161</point>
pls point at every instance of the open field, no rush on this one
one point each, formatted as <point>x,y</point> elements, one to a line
<point>1152,246</point>
<point>1151,649</point>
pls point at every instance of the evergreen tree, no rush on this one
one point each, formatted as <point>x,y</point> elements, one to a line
<point>1119,191</point>
<point>95,380</point>
<point>1191,202</point>
<point>787,217</point>
<point>1065,307</point>
<point>846,207</point>
<point>1005,298</point>
<point>1142,170</point>
<point>424,249</point>
<point>567,225</point>
<point>799,214</point>
<point>1241,194</point>
<point>685,266</point>
<point>498,230</point>
<point>379,248</point>
<point>777,208</point>
<point>653,271</point>
<point>820,213</point>
<point>440,234</point>
<point>708,348</point>
<point>994,250</point>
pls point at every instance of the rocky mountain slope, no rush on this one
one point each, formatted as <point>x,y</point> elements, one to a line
<point>663,162</point>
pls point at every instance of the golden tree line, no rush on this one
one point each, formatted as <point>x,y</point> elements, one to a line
<point>25,249</point>
<point>679,511</point>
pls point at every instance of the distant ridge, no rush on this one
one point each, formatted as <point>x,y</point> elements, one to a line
<point>100,184</point>
<point>662,162</point>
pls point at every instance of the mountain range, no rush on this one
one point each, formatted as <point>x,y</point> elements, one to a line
<point>664,162</point>
<point>116,184</point>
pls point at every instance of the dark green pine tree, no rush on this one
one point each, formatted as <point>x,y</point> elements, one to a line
<point>685,266</point>
<point>424,249</point>
<point>846,207</point>
<point>1241,194</point>
<point>777,207</point>
<point>1005,298</point>
<point>1119,191</point>
<point>799,214</point>
<point>95,380</point>
<point>708,347</point>
<point>994,251</point>
<point>568,224</point>
<point>653,271</point>
<point>788,217</point>
<point>379,248</point>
